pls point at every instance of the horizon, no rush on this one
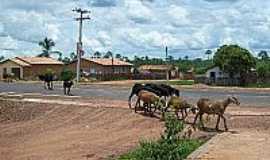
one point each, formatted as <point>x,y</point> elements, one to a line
<point>135,27</point>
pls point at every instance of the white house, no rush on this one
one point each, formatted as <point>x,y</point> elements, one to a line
<point>216,73</point>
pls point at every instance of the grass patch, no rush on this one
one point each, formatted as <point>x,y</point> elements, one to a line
<point>258,85</point>
<point>182,82</point>
<point>163,150</point>
<point>169,147</point>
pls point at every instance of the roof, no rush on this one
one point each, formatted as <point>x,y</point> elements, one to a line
<point>28,61</point>
<point>20,62</point>
<point>155,67</point>
<point>39,60</point>
<point>108,61</point>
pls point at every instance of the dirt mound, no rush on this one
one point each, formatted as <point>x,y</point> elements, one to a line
<point>42,131</point>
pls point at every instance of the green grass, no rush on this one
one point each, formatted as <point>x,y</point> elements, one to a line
<point>170,146</point>
<point>182,82</point>
<point>163,150</point>
<point>258,85</point>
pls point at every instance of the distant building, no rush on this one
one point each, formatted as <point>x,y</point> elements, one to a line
<point>29,68</point>
<point>102,67</point>
<point>160,71</point>
<point>215,75</point>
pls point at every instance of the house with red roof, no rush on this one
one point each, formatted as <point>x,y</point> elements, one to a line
<point>29,68</point>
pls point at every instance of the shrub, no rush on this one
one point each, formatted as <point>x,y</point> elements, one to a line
<point>67,75</point>
<point>169,147</point>
<point>182,82</point>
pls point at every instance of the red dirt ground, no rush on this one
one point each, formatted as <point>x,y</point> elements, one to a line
<point>40,131</point>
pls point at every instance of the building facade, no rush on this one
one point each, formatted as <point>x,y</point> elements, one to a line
<point>102,67</point>
<point>29,68</point>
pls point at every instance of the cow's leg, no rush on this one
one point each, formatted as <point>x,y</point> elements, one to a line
<point>69,91</point>
<point>195,119</point>
<point>225,124</point>
<point>218,120</point>
<point>201,120</point>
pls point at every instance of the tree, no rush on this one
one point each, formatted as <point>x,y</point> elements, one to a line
<point>186,58</point>
<point>208,53</point>
<point>109,54</point>
<point>234,60</point>
<point>46,45</point>
<point>170,58</point>
<point>263,55</point>
<point>2,58</point>
<point>118,56</point>
<point>73,56</point>
<point>97,54</point>
<point>263,70</point>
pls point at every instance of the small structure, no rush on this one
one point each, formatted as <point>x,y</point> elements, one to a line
<point>159,71</point>
<point>103,68</point>
<point>215,75</point>
<point>29,68</point>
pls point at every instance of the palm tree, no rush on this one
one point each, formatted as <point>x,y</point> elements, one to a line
<point>263,55</point>
<point>118,56</point>
<point>108,54</point>
<point>46,45</point>
<point>73,56</point>
<point>97,54</point>
<point>2,58</point>
<point>208,53</point>
<point>186,58</point>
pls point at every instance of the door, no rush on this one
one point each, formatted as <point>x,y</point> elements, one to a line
<point>16,72</point>
<point>213,77</point>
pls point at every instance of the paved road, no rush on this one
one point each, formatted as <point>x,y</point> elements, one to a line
<point>121,93</point>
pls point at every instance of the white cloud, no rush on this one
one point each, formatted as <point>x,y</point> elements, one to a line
<point>135,26</point>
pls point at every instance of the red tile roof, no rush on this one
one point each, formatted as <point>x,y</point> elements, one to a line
<point>38,60</point>
<point>108,61</point>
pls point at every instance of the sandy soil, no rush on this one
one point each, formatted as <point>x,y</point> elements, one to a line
<point>31,131</point>
<point>96,130</point>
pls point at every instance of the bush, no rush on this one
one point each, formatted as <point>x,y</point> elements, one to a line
<point>169,147</point>
<point>49,72</point>
<point>67,75</point>
<point>182,82</point>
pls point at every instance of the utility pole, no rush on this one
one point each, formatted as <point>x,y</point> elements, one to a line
<point>81,18</point>
<point>167,74</point>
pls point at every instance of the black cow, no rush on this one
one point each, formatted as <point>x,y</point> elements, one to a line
<point>172,91</point>
<point>67,85</point>
<point>48,81</point>
<point>160,90</point>
<point>137,88</point>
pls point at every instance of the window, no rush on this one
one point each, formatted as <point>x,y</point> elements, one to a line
<point>4,71</point>
<point>92,70</point>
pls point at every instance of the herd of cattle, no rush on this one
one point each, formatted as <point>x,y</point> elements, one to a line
<point>164,98</point>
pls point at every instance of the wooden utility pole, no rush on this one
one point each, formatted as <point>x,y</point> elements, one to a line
<point>167,73</point>
<point>82,12</point>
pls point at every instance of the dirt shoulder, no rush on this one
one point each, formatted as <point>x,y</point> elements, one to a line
<point>97,129</point>
<point>68,132</point>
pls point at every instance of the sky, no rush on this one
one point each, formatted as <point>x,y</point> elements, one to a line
<point>135,27</point>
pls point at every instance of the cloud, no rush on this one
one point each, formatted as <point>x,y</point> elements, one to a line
<point>135,27</point>
<point>103,3</point>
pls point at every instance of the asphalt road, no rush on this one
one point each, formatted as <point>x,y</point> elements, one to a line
<point>122,93</point>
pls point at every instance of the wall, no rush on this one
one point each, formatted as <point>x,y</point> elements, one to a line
<point>32,73</point>
<point>9,64</point>
<point>94,68</point>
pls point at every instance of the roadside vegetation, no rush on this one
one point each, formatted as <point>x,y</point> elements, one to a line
<point>170,146</point>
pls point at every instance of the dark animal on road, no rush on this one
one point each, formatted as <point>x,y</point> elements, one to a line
<point>205,105</point>
<point>48,81</point>
<point>67,86</point>
<point>160,90</point>
<point>139,87</point>
<point>172,91</point>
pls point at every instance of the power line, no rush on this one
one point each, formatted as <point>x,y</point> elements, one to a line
<point>81,18</point>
